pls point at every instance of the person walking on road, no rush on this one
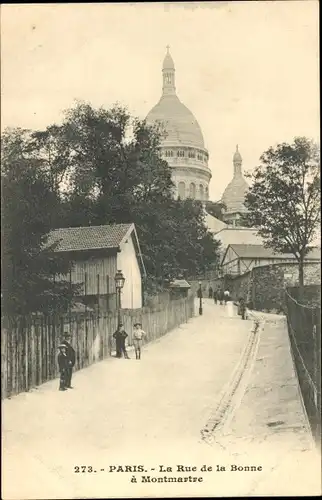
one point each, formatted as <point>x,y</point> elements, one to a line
<point>226,296</point>
<point>221,297</point>
<point>210,292</point>
<point>71,358</point>
<point>120,336</point>
<point>63,367</point>
<point>215,296</point>
<point>138,336</point>
<point>242,308</point>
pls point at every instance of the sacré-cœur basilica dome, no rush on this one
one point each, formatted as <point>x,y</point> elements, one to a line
<point>183,144</point>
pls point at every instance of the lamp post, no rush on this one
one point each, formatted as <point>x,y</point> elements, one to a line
<point>119,284</point>
<point>200,299</point>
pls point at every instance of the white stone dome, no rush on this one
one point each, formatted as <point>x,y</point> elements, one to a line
<point>234,195</point>
<point>180,125</point>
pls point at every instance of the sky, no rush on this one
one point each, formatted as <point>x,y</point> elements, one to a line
<point>247,70</point>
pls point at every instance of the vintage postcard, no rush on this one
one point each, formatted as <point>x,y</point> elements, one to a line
<point>161,257</point>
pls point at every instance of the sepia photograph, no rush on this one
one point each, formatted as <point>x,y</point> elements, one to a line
<point>161,250</point>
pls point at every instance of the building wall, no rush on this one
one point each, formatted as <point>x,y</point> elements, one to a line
<point>239,265</point>
<point>237,235</point>
<point>190,172</point>
<point>264,287</point>
<point>96,274</point>
<point>127,262</point>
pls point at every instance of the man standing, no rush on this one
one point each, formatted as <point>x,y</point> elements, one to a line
<point>120,335</point>
<point>215,295</point>
<point>63,366</point>
<point>71,358</point>
<point>138,335</point>
<point>210,292</point>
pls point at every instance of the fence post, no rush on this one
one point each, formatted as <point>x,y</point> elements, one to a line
<point>317,369</point>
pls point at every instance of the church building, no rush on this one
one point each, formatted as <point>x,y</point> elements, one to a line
<point>183,146</point>
<point>184,149</point>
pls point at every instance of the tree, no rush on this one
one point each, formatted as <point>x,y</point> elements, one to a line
<point>111,169</point>
<point>29,208</point>
<point>215,209</point>
<point>174,239</point>
<point>119,176</point>
<point>284,199</point>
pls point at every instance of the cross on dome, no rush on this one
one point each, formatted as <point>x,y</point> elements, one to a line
<point>237,156</point>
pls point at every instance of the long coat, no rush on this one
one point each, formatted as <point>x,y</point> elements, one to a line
<point>71,355</point>
<point>120,336</point>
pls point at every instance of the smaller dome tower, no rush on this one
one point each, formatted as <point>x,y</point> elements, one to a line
<point>234,194</point>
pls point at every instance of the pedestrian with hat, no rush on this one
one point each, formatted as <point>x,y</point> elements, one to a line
<point>138,336</point>
<point>120,336</point>
<point>71,357</point>
<point>63,366</point>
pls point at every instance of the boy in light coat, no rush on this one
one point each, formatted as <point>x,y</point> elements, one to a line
<point>138,336</point>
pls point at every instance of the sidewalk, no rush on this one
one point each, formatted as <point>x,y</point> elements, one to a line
<point>151,412</point>
<point>270,427</point>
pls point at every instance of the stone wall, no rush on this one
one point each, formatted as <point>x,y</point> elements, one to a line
<point>264,287</point>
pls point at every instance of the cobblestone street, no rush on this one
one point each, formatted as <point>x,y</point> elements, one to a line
<point>151,412</point>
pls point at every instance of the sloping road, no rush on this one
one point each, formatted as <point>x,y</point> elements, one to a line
<point>128,412</point>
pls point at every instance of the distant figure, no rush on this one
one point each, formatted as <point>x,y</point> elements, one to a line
<point>120,335</point>
<point>215,296</point>
<point>199,293</point>
<point>210,291</point>
<point>221,297</point>
<point>242,308</point>
<point>138,335</point>
<point>230,308</point>
<point>226,296</point>
<point>71,357</point>
<point>63,366</point>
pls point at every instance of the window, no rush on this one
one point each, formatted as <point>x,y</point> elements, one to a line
<point>182,190</point>
<point>201,192</point>
<point>180,154</point>
<point>192,193</point>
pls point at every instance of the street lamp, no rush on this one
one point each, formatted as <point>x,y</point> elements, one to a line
<point>119,284</point>
<point>200,299</point>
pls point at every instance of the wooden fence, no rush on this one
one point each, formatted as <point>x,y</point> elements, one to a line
<point>29,345</point>
<point>304,328</point>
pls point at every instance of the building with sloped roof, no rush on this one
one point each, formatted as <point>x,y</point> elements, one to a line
<point>183,144</point>
<point>97,253</point>
<point>241,258</point>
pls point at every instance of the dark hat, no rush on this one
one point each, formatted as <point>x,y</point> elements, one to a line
<point>137,324</point>
<point>67,334</point>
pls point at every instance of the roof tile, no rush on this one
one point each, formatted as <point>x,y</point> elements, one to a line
<point>72,239</point>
